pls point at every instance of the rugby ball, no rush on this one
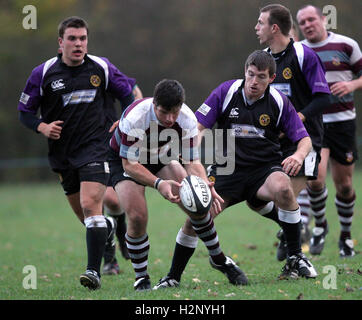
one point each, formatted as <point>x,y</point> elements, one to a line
<point>195,195</point>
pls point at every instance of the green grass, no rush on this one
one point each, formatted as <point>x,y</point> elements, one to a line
<point>38,228</point>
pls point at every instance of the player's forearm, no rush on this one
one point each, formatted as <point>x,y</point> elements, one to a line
<point>304,147</point>
<point>357,83</point>
<point>196,168</point>
<point>138,172</point>
<point>30,120</point>
<point>319,102</point>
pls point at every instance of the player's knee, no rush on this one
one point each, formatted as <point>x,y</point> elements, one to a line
<point>137,219</point>
<point>284,194</point>
<point>177,170</point>
<point>316,185</point>
<point>345,191</point>
<point>112,204</point>
<point>91,205</point>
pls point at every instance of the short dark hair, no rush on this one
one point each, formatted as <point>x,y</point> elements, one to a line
<point>280,16</point>
<point>72,22</point>
<point>262,60</point>
<point>169,94</point>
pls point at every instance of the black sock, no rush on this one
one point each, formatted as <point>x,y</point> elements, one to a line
<point>110,248</point>
<point>292,234</point>
<point>273,215</point>
<point>96,241</point>
<point>181,257</point>
<point>121,227</point>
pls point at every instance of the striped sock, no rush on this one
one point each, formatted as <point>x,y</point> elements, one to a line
<point>304,205</point>
<point>138,251</point>
<point>318,201</point>
<point>345,213</point>
<point>205,230</point>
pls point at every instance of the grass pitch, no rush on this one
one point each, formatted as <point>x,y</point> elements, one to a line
<point>39,229</point>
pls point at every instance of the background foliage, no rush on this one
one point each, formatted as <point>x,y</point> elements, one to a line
<point>199,42</point>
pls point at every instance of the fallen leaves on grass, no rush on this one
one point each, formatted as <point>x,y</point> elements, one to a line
<point>45,278</point>
<point>250,246</point>
<point>211,293</point>
<point>300,296</point>
<point>230,294</point>
<point>349,288</point>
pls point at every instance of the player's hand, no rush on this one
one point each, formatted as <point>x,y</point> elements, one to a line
<point>342,88</point>
<point>51,130</point>
<point>114,126</point>
<point>216,199</point>
<point>165,188</point>
<point>301,116</point>
<point>292,165</point>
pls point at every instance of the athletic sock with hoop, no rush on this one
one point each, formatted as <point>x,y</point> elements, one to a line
<point>345,208</point>
<point>184,249</point>
<point>304,204</point>
<point>206,231</point>
<point>290,222</point>
<point>138,249</point>
<point>318,201</point>
<point>96,237</point>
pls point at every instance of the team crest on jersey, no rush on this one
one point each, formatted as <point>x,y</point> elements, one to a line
<point>349,157</point>
<point>287,73</point>
<point>95,80</point>
<point>336,61</point>
<point>211,178</point>
<point>264,120</point>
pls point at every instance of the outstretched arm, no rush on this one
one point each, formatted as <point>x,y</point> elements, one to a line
<point>140,173</point>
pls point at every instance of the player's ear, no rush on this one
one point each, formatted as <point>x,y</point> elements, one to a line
<point>60,42</point>
<point>272,78</point>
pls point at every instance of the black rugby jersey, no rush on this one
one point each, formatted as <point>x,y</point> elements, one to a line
<point>299,75</point>
<point>75,95</point>
<point>255,127</point>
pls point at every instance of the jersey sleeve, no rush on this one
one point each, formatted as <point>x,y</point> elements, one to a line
<point>189,151</point>
<point>31,96</point>
<point>130,140</point>
<point>356,59</point>
<point>314,71</point>
<point>290,122</point>
<point>208,113</point>
<point>118,83</point>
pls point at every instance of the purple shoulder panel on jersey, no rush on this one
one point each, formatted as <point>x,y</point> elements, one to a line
<point>290,122</point>
<point>118,83</point>
<point>132,82</point>
<point>212,108</point>
<point>30,97</point>
<point>313,70</point>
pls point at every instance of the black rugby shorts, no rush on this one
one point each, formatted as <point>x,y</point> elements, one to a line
<point>96,171</point>
<point>243,183</point>
<point>340,139</point>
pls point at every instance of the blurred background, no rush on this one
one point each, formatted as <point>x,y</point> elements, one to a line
<point>201,43</point>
